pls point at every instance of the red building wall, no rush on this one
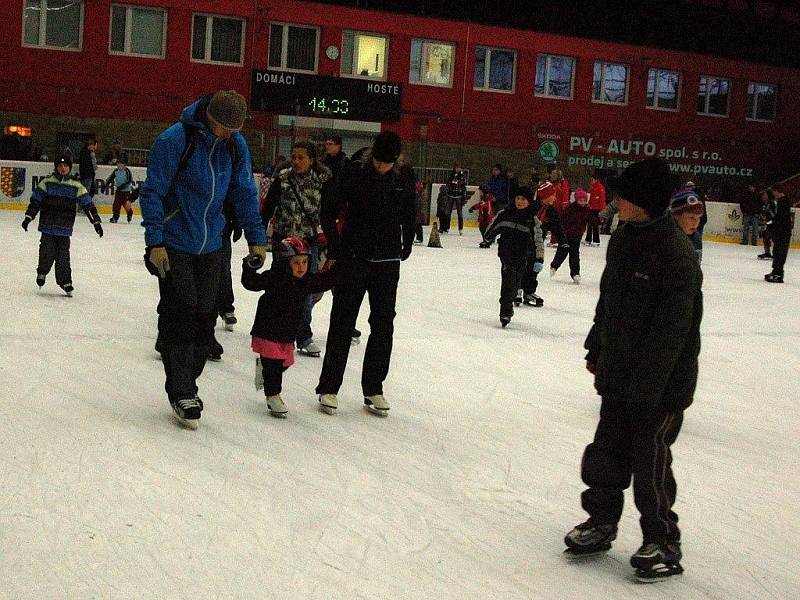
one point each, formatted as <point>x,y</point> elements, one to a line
<point>94,83</point>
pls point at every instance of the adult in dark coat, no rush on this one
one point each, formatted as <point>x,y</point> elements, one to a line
<point>87,166</point>
<point>378,233</point>
<point>335,159</point>
<point>750,205</point>
<point>642,350</point>
<point>782,225</point>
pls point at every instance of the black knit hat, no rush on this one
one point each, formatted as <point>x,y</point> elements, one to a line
<point>386,147</point>
<point>526,191</point>
<point>62,159</point>
<point>647,184</point>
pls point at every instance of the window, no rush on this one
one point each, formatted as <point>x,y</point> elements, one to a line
<point>138,31</point>
<point>713,96</point>
<point>761,101</point>
<point>432,63</point>
<point>54,24</point>
<point>663,89</point>
<point>554,76</point>
<point>495,69</point>
<point>293,47</point>
<point>364,55</point>
<point>217,39</point>
<point>610,83</point>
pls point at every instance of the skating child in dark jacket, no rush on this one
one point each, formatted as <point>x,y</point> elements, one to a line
<point>520,244</point>
<point>286,286</point>
<point>573,222</point>
<point>54,199</point>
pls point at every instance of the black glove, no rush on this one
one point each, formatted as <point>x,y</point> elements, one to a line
<point>98,228</point>
<point>25,222</point>
<point>484,244</point>
<point>237,234</point>
<point>405,252</point>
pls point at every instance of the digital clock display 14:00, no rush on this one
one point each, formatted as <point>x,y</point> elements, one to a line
<point>334,106</point>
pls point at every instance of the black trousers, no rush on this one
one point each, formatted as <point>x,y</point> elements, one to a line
<point>418,231</point>
<point>272,369</point>
<point>780,250</point>
<point>187,313</point>
<point>593,227</point>
<point>511,275</point>
<point>225,292</point>
<point>55,249</point>
<point>631,443</point>
<point>379,281</point>
<point>457,205</point>
<point>530,278</point>
<point>574,253</point>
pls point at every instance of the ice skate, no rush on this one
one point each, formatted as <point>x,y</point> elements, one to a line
<point>229,319</point>
<point>68,289</point>
<point>533,300</point>
<point>215,351</point>
<point>310,349</point>
<point>773,278</point>
<point>327,403</point>
<point>518,299</point>
<point>576,279</point>
<point>40,279</point>
<point>276,406</point>
<point>506,312</point>
<point>656,562</point>
<point>504,321</point>
<point>765,256</point>
<point>377,404</point>
<point>588,539</point>
<point>355,338</point>
<point>187,411</point>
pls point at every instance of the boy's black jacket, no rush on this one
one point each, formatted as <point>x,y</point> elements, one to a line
<point>280,308</point>
<point>646,334</point>
<point>517,230</point>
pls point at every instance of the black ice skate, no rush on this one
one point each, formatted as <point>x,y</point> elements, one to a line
<point>656,562</point>
<point>40,279</point>
<point>533,300</point>
<point>518,299</point>
<point>68,289</point>
<point>765,256</point>
<point>773,278</point>
<point>355,338</point>
<point>215,351</point>
<point>229,319</point>
<point>187,411</point>
<point>588,539</point>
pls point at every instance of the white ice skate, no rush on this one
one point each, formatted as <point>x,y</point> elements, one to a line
<point>310,349</point>
<point>327,403</point>
<point>377,405</point>
<point>576,279</point>
<point>276,406</point>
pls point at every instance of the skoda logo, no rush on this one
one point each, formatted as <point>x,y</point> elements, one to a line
<point>548,151</point>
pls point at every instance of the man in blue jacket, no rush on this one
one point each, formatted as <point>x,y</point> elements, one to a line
<point>193,167</point>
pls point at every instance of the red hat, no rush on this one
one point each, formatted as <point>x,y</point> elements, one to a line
<point>545,190</point>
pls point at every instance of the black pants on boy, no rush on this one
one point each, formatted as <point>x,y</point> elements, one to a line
<point>766,235</point>
<point>511,274</point>
<point>379,281</point>
<point>593,228</point>
<point>631,442</point>
<point>187,313</point>
<point>530,278</point>
<point>225,292</point>
<point>780,249</point>
<point>574,252</point>
<point>55,249</point>
<point>272,369</point>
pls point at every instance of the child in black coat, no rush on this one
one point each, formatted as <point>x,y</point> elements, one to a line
<point>286,286</point>
<point>520,234</point>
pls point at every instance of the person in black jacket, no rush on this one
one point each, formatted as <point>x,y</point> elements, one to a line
<point>782,225</point>
<point>286,285</point>
<point>335,159</point>
<point>378,233</point>
<point>520,244</point>
<point>750,205</point>
<point>642,350</point>
<point>87,166</point>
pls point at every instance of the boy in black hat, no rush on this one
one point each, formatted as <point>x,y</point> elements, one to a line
<point>782,225</point>
<point>642,350</point>
<point>520,234</point>
<point>55,198</point>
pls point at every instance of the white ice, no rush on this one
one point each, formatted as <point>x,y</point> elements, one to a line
<point>466,489</point>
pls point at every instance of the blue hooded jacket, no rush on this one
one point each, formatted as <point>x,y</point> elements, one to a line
<point>199,190</point>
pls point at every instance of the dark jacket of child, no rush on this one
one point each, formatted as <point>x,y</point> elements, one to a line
<point>573,220</point>
<point>56,197</point>
<point>280,308</point>
<point>645,339</point>
<point>520,234</point>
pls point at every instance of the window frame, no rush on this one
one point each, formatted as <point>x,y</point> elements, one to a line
<point>705,113</point>
<point>357,33</point>
<point>753,118</point>
<point>452,64</point>
<point>127,42</point>
<point>209,37</point>
<point>487,68</point>
<point>627,82</point>
<point>43,29</point>
<point>678,92</point>
<point>547,80</point>
<point>285,46</point>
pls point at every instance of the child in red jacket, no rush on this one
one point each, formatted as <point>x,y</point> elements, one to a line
<point>485,208</point>
<point>573,222</point>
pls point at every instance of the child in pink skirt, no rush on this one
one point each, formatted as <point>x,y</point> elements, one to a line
<point>278,316</point>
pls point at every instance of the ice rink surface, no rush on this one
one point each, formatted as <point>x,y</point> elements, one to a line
<point>465,491</point>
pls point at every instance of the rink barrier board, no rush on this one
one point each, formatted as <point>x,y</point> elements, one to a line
<point>18,178</point>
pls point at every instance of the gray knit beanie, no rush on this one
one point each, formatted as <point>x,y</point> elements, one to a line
<point>228,108</point>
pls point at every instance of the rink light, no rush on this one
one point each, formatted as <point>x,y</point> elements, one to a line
<point>19,130</point>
